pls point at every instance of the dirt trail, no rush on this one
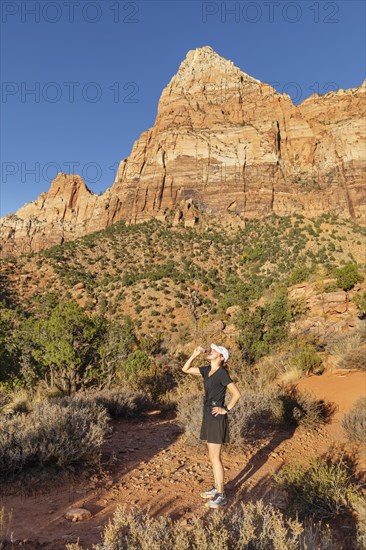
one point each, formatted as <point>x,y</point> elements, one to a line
<point>153,467</point>
<point>342,387</point>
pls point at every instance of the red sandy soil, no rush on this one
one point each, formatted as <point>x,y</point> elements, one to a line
<point>153,466</point>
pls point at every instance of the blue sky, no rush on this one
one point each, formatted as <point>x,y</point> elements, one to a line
<point>98,69</point>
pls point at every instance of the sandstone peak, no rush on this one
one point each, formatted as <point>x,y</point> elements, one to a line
<point>223,145</point>
<point>66,190</point>
<point>207,90</point>
<point>203,56</point>
<point>68,183</point>
<point>205,62</point>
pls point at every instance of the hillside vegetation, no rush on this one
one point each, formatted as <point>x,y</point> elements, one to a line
<point>150,270</point>
<point>99,328</point>
<point>132,293</point>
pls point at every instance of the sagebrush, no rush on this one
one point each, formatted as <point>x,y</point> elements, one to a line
<point>256,411</point>
<point>253,526</point>
<point>349,350</point>
<point>324,489</point>
<point>354,422</point>
<point>118,402</point>
<point>52,434</point>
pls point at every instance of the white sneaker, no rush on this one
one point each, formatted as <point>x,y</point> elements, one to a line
<point>218,501</point>
<point>209,494</point>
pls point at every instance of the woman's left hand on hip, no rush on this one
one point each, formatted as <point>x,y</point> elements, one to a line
<point>218,410</point>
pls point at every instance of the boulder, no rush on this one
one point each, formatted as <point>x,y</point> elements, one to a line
<point>77,514</point>
<point>232,311</point>
<point>79,286</point>
<point>231,331</point>
<point>215,327</point>
<point>301,290</point>
<point>335,302</point>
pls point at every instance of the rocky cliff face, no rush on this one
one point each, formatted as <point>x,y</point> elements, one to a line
<point>223,144</point>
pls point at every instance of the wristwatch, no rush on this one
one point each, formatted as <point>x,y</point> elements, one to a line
<point>226,409</point>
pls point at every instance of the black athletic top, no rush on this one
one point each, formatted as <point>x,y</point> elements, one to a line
<point>215,389</point>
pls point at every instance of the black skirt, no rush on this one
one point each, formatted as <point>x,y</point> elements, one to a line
<point>215,431</point>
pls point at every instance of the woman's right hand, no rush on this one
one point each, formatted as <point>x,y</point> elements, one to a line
<point>196,352</point>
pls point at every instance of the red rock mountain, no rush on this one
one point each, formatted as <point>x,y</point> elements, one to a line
<point>223,144</point>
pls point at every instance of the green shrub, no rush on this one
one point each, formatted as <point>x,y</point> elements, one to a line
<point>330,287</point>
<point>307,360</point>
<point>238,292</point>
<point>324,488</point>
<point>253,253</point>
<point>154,382</point>
<point>52,434</point>
<point>354,422</point>
<point>261,330</point>
<point>64,344</point>
<point>348,276</point>
<point>135,362</point>
<point>299,274</point>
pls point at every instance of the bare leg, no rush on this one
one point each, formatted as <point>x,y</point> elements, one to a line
<point>214,452</point>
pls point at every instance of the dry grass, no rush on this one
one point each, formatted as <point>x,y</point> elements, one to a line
<point>349,350</point>
<point>256,411</point>
<point>17,402</point>
<point>359,507</point>
<point>354,422</point>
<point>354,359</point>
<point>6,519</point>
<point>291,375</point>
<point>271,368</point>
<point>253,526</point>
<point>286,367</point>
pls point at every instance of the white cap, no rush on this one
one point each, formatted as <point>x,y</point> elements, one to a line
<point>223,351</point>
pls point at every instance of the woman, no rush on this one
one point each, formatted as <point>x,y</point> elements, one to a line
<point>215,426</point>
